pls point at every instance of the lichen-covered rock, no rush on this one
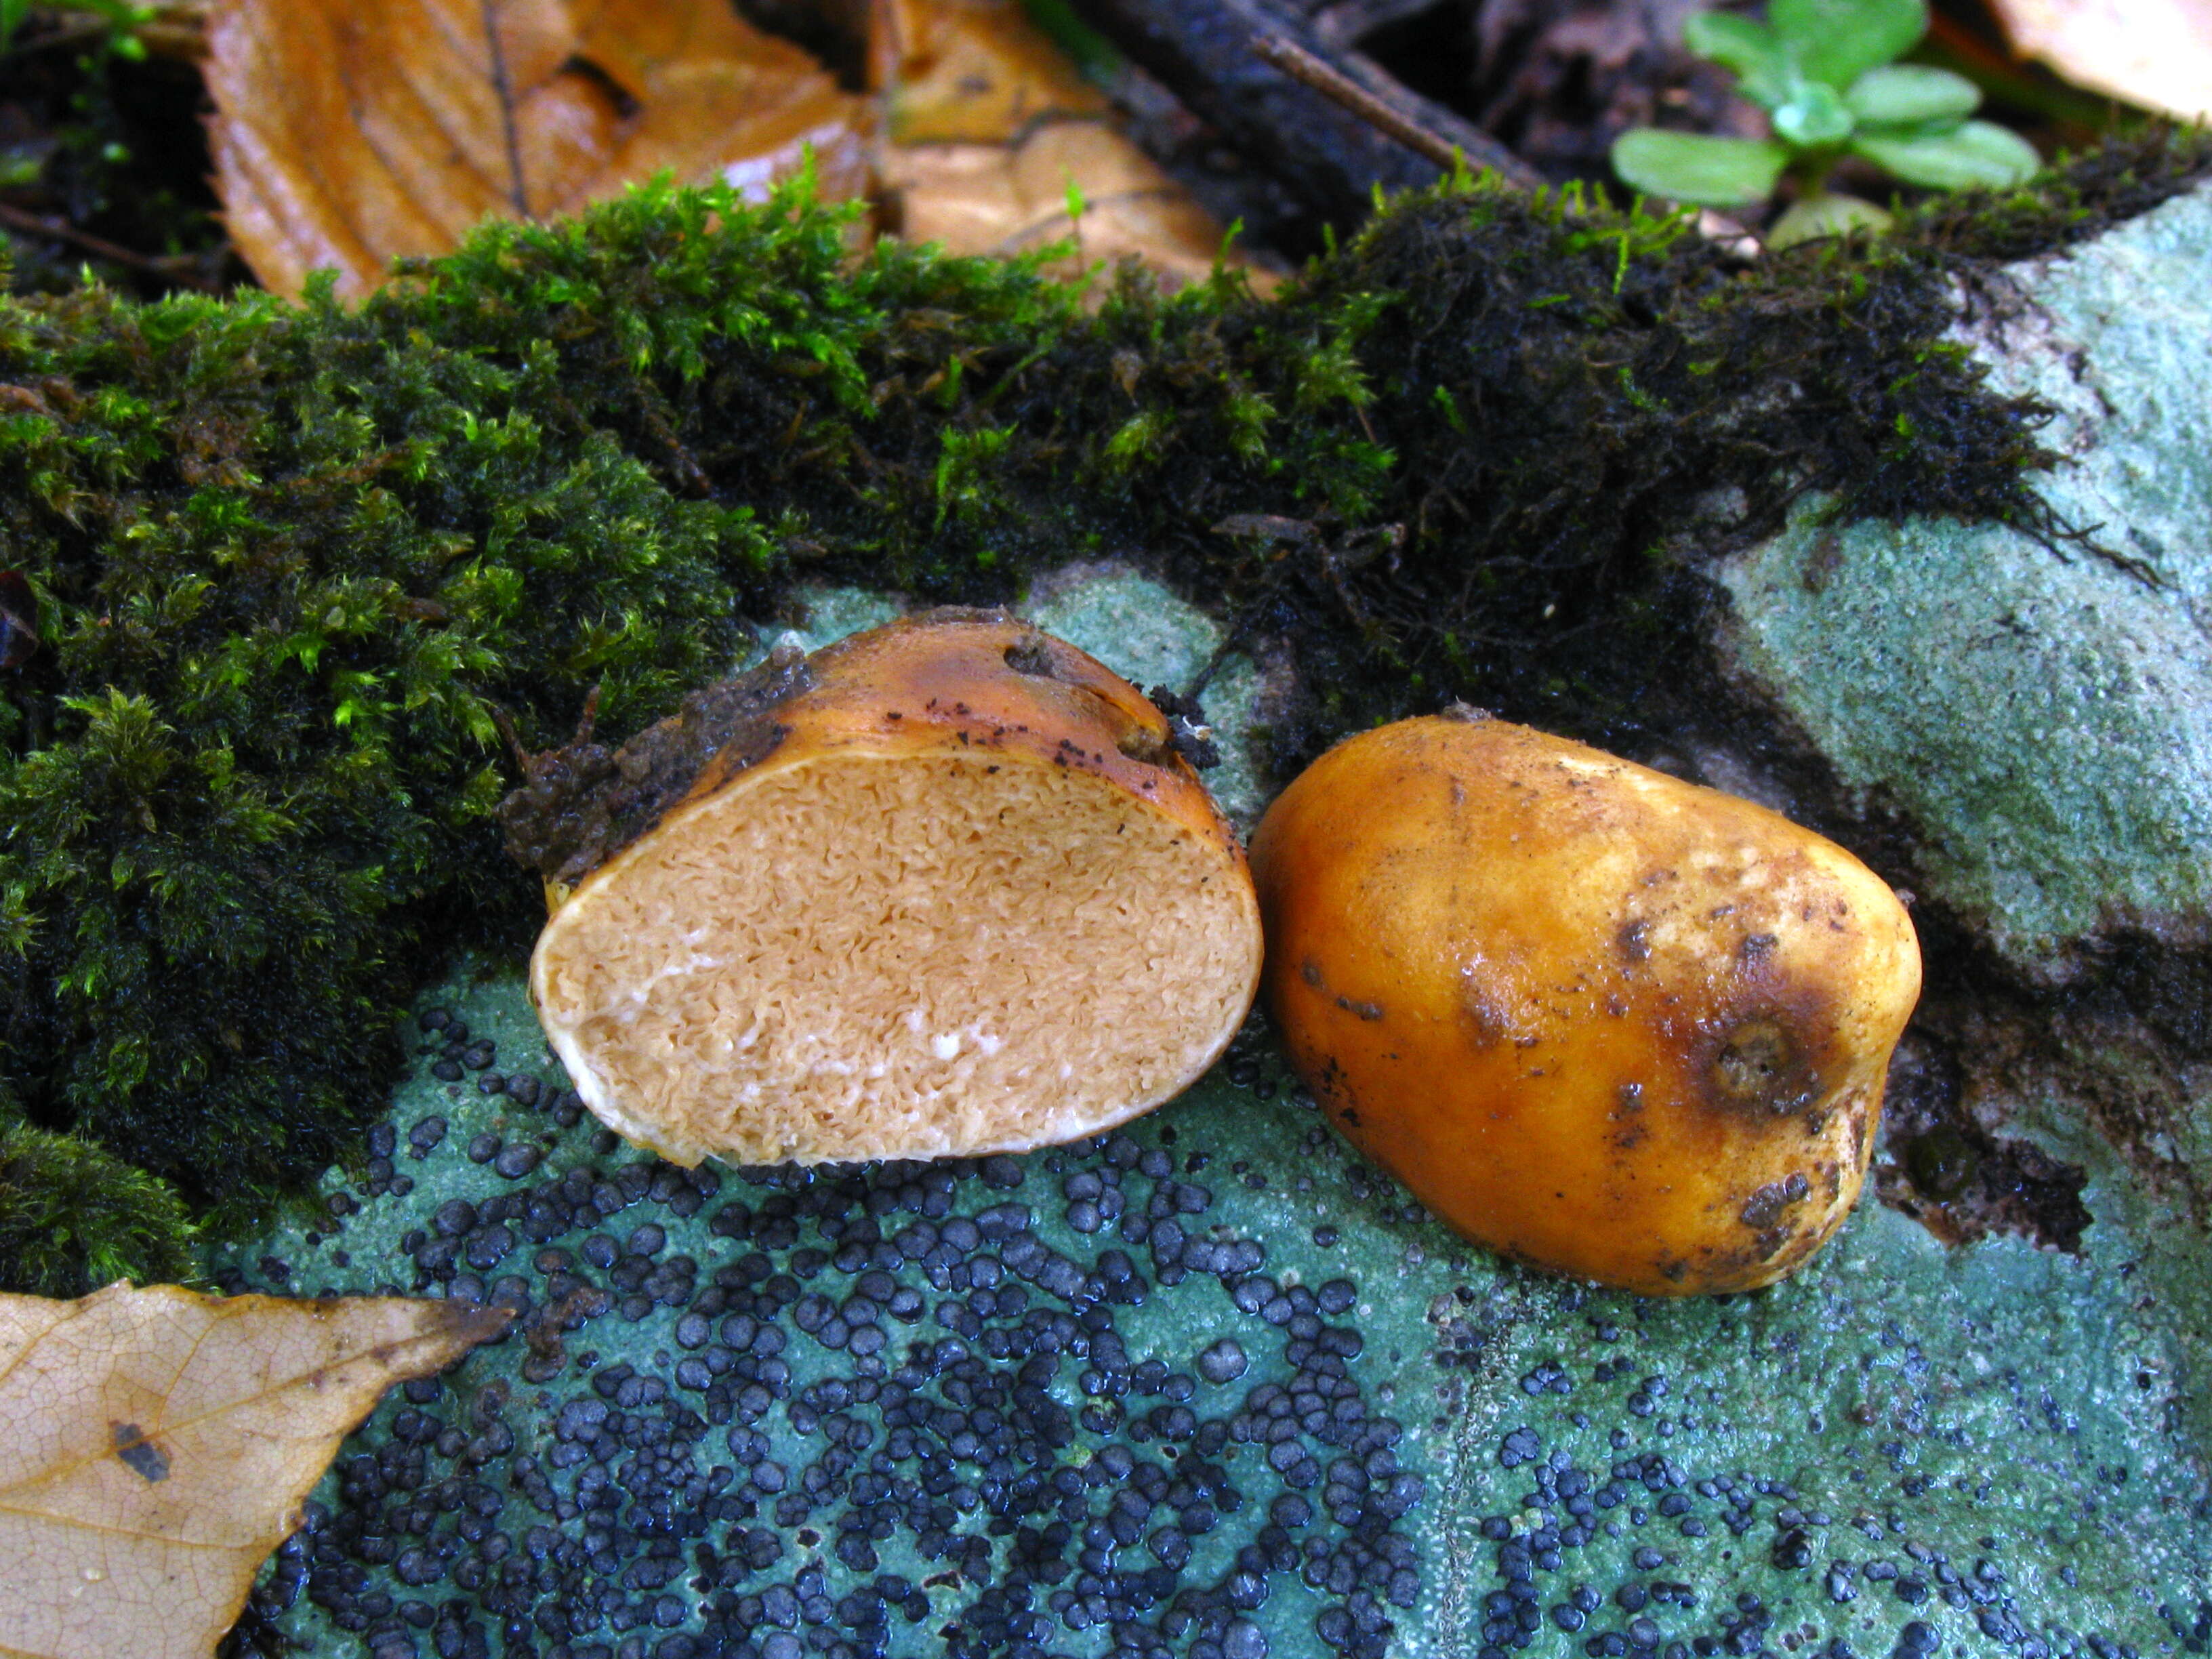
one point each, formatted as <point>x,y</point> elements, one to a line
<point>2040,714</point>
<point>1211,1383</point>
<point>2031,722</point>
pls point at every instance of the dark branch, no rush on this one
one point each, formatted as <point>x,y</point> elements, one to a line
<point>1203,50</point>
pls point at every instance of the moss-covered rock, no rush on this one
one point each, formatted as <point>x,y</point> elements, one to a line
<point>287,562</point>
<point>2044,720</point>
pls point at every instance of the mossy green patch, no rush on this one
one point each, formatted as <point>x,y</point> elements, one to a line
<point>288,561</point>
<point>74,1218</point>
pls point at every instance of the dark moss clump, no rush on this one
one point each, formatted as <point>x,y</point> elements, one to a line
<point>2126,177</point>
<point>74,1218</point>
<point>289,563</point>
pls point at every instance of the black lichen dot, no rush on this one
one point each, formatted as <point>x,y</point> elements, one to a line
<point>1223,1362</point>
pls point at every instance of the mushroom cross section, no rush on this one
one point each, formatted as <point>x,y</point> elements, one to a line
<point>942,889</point>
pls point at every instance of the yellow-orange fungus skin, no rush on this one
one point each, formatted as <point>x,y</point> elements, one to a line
<point>1598,1019</point>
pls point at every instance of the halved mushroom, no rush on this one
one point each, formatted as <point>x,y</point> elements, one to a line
<point>944,887</point>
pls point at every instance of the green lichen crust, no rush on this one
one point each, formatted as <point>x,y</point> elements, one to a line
<point>2042,716</point>
<point>1063,1434</point>
<point>1218,1312</point>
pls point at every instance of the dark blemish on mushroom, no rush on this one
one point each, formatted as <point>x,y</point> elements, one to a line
<point>143,1456</point>
<point>1763,1208</point>
<point>1364,1010</point>
<point>1629,1114</point>
<point>1031,656</point>
<point>1759,1064</point>
<point>1756,948</point>
<point>1149,748</point>
<point>1632,942</point>
<point>1310,971</point>
<point>1491,1022</point>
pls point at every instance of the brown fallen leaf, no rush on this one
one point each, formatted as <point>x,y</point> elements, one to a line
<point>348,133</point>
<point>1013,198</point>
<point>990,130</point>
<point>156,1444</point>
<point>972,70</point>
<point>2154,53</point>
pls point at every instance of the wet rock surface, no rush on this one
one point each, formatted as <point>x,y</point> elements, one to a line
<point>1213,1386</point>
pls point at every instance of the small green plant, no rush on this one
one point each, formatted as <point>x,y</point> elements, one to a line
<point>123,20</point>
<point>1825,74</point>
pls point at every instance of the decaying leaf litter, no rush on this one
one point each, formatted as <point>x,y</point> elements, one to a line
<point>347,137</point>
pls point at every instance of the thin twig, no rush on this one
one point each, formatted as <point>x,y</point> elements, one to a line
<point>1301,66</point>
<point>173,268</point>
<point>503,88</point>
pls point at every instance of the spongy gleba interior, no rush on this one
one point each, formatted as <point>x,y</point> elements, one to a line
<point>866,956</point>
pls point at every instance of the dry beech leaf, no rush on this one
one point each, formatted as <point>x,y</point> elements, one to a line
<point>992,199</point>
<point>970,70</point>
<point>350,132</point>
<point>988,126</point>
<point>156,1444</point>
<point>2155,53</point>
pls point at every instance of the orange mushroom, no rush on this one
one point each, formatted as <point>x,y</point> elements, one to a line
<point>943,888</point>
<point>1597,1019</point>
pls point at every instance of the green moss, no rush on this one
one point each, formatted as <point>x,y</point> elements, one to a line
<point>74,1218</point>
<point>2125,177</point>
<point>289,560</point>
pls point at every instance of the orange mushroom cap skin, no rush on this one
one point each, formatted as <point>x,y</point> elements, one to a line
<point>946,680</point>
<point>1598,1019</point>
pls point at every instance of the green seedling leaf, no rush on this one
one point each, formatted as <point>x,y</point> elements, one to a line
<point>1813,117</point>
<point>1977,153</point>
<point>1754,51</point>
<point>1911,94</point>
<point>1685,166</point>
<point>1838,40</point>
<point>1826,215</point>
